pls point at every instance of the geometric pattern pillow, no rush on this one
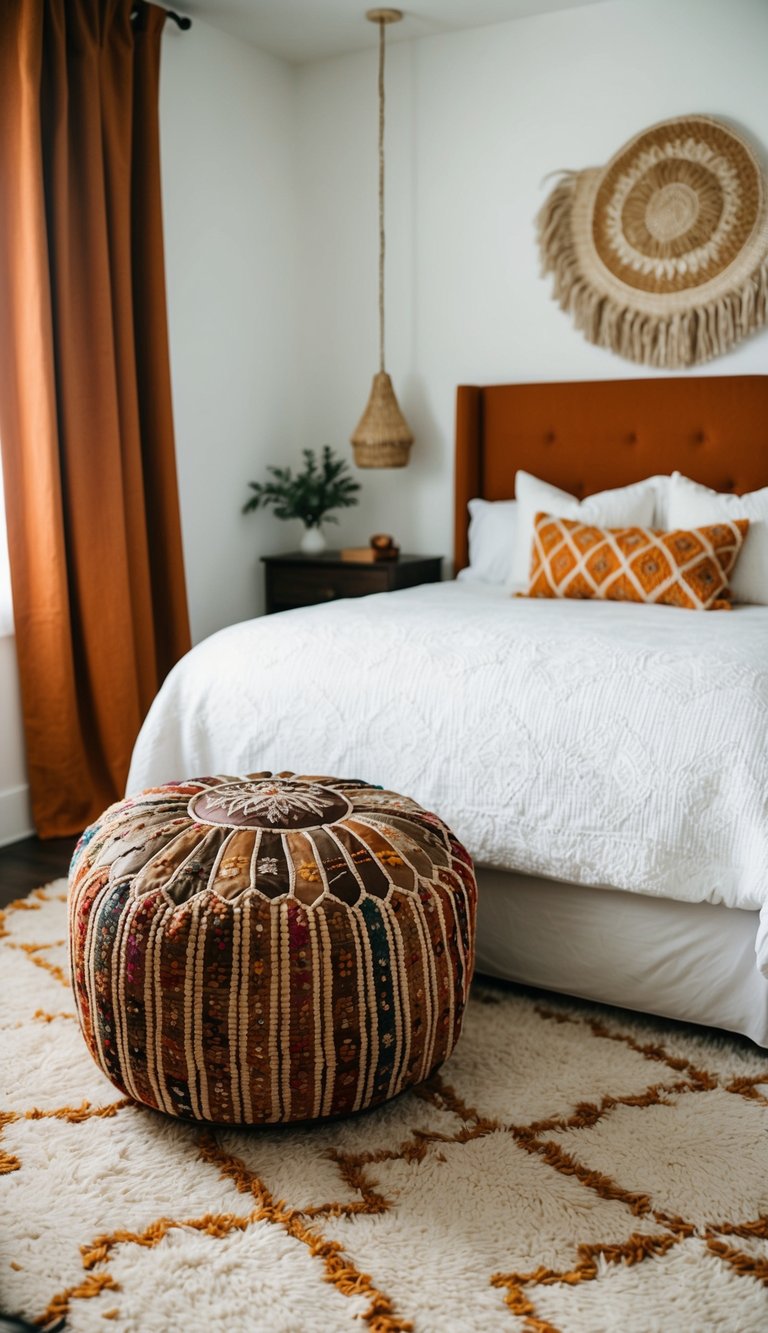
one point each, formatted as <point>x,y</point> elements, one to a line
<point>681,568</point>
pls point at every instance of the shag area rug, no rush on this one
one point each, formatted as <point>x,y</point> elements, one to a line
<point>569,1168</point>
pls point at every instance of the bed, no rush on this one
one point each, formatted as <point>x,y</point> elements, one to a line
<point>605,764</point>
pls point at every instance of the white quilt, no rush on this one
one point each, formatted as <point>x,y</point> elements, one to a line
<point>593,742</point>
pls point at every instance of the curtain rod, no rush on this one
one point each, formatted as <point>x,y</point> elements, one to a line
<point>180,20</point>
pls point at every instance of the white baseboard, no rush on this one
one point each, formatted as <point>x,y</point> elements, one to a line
<point>15,815</point>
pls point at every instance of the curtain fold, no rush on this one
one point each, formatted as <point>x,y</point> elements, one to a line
<point>85,397</point>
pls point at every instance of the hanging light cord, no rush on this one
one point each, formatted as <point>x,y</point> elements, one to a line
<point>382,242</point>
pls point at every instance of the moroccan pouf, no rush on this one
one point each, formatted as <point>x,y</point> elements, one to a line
<point>270,948</point>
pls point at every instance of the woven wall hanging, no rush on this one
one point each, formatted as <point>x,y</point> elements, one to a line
<point>662,255</point>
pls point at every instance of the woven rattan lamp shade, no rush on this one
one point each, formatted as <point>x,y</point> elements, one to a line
<point>382,437</point>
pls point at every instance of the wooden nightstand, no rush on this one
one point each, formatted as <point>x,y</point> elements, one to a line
<point>296,579</point>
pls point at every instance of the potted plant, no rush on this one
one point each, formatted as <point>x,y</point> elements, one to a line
<point>311,495</point>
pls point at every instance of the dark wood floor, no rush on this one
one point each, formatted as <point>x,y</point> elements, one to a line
<point>30,863</point>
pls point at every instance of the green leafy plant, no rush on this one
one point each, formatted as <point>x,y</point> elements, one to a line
<point>311,494</point>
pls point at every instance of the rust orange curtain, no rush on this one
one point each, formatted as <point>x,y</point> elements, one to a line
<point>85,400</point>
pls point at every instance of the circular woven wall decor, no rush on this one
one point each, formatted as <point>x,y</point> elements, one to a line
<point>662,255</point>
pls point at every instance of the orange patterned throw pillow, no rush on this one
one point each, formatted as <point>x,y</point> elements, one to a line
<point>682,568</point>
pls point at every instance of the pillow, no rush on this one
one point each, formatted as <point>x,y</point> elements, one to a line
<point>689,569</point>
<point>492,526</point>
<point>661,485</point>
<point>624,507</point>
<point>691,504</point>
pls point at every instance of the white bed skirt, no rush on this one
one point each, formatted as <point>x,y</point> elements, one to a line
<point>690,961</point>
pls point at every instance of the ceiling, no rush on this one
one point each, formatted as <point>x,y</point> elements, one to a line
<point>302,30</point>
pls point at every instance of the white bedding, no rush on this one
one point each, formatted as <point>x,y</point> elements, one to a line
<point>690,961</point>
<point>594,742</point>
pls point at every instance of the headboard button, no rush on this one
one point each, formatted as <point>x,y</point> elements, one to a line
<point>549,438</point>
<point>699,437</point>
<point>730,485</point>
<point>632,438</point>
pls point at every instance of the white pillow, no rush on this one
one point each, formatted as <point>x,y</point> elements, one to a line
<point>621,508</point>
<point>661,485</point>
<point>691,505</point>
<point>492,526</point>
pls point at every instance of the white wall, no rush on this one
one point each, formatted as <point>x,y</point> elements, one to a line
<point>227,114</point>
<point>15,816</point>
<point>475,121</point>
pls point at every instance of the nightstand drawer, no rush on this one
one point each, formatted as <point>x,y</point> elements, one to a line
<point>296,579</point>
<point>305,587</point>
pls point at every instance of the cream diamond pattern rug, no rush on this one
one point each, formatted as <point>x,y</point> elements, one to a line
<point>570,1168</point>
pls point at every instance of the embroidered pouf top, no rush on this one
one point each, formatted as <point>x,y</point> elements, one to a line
<point>270,948</point>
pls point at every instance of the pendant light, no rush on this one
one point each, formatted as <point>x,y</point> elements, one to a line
<point>383,437</point>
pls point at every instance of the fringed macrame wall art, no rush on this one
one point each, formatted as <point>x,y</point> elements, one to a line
<point>662,255</point>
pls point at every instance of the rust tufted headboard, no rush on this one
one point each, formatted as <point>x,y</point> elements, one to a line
<point>586,436</point>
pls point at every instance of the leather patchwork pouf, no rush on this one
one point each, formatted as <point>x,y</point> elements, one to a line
<point>270,948</point>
